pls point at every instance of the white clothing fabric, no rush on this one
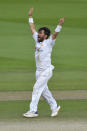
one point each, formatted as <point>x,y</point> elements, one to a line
<point>41,88</point>
<point>43,52</point>
<point>43,73</point>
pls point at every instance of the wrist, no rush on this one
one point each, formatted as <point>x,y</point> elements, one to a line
<point>30,16</point>
<point>58,28</point>
<point>31,20</point>
<point>60,24</point>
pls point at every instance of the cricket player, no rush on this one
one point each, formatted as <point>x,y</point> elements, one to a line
<point>43,49</point>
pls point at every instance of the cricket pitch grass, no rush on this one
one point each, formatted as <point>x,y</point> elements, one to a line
<point>72,116</point>
<point>44,126</point>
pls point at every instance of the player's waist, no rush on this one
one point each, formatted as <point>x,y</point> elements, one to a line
<point>43,68</point>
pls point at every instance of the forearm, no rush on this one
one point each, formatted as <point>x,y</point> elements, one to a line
<point>32,25</point>
<point>57,30</point>
<point>31,22</point>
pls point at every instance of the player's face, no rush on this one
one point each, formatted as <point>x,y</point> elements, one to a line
<point>41,36</point>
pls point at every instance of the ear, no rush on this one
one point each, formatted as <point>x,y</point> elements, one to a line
<point>45,36</point>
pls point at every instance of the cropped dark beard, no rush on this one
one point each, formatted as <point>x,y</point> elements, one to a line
<point>40,40</point>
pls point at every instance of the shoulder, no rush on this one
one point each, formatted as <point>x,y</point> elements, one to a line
<point>35,36</point>
<point>50,41</point>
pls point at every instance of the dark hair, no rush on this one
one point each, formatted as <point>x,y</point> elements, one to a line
<point>46,31</point>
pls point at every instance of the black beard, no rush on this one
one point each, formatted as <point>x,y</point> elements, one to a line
<point>40,40</point>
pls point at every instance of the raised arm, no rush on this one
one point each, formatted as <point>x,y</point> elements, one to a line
<point>58,29</point>
<point>31,22</point>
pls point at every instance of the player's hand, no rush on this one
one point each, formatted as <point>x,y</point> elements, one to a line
<point>30,12</point>
<point>61,21</point>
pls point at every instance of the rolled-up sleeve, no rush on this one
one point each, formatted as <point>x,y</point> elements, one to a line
<point>35,36</point>
<point>51,41</point>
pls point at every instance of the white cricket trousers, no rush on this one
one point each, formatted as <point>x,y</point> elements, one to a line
<point>41,89</point>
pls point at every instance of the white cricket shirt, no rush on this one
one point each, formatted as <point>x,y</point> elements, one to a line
<point>43,52</point>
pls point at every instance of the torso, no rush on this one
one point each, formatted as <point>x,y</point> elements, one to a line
<point>43,55</point>
<point>43,52</point>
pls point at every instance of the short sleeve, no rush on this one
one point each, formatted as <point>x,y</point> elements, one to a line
<point>51,42</point>
<point>35,36</point>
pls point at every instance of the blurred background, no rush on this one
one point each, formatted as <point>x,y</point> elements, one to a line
<point>69,56</point>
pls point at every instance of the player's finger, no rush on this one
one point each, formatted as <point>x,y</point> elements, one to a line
<point>32,9</point>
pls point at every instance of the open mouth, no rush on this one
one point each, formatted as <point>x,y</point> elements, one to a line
<point>38,37</point>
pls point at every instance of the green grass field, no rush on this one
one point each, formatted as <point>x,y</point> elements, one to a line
<point>70,110</point>
<point>17,66</point>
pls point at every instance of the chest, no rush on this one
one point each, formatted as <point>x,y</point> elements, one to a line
<point>41,47</point>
